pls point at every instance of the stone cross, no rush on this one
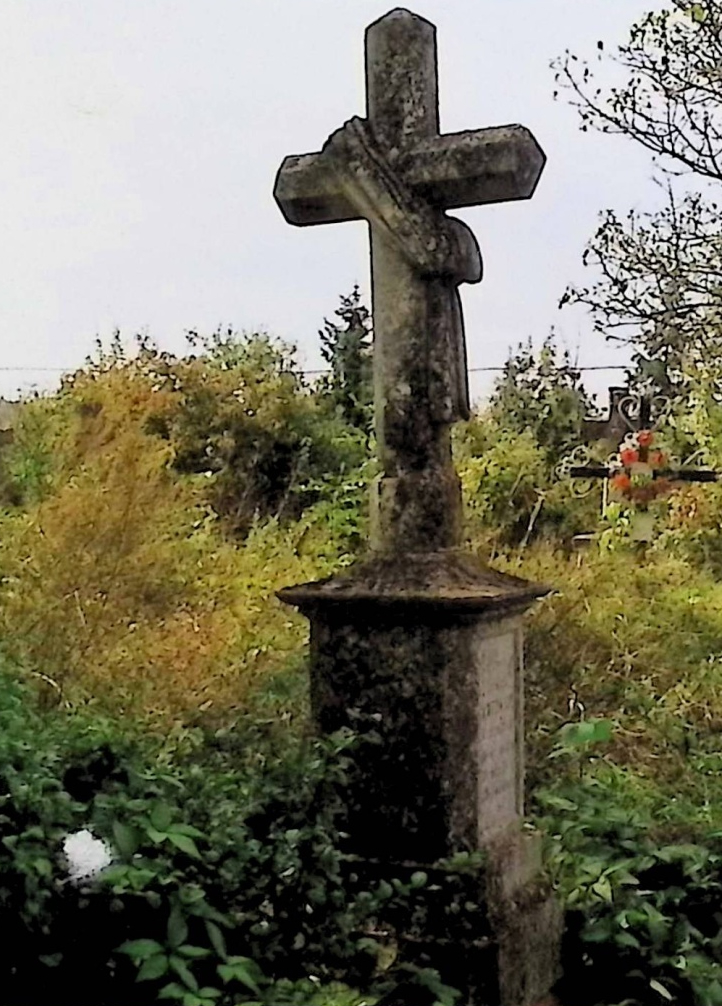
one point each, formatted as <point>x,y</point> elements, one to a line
<point>418,646</point>
<point>397,171</point>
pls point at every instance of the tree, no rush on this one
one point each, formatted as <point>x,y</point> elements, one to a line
<point>661,273</point>
<point>660,289</point>
<point>542,393</point>
<point>670,102</point>
<point>347,349</point>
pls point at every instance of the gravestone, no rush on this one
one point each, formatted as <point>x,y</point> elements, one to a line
<point>420,644</point>
<point>630,412</point>
<point>613,427</point>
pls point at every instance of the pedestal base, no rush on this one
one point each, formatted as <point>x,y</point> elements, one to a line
<point>421,655</point>
<point>497,943</point>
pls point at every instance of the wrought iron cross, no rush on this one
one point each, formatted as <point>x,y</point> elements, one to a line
<point>635,412</point>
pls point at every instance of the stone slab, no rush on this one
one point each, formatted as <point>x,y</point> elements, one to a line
<point>449,580</point>
<point>500,734</point>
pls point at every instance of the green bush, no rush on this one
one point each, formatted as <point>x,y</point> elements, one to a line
<point>542,394</point>
<point>228,881</point>
<point>642,887</point>
<point>241,413</point>
<point>511,493</point>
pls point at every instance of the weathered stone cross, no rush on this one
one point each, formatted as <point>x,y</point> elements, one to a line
<point>397,171</point>
<point>419,644</point>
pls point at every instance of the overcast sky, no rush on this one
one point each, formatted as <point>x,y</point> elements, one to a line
<point>141,140</point>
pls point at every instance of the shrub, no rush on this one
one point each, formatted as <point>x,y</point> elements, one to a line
<point>228,879</point>
<point>511,493</point>
<point>541,394</point>
<point>241,413</point>
<point>635,642</point>
<point>118,577</point>
<point>644,925</point>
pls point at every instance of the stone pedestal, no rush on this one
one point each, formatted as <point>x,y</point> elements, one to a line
<point>423,654</point>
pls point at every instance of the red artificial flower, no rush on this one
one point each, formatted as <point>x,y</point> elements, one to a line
<point>628,456</point>
<point>645,438</point>
<point>658,459</point>
<point>622,482</point>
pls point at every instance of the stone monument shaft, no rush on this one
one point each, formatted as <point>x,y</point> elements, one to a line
<point>395,170</point>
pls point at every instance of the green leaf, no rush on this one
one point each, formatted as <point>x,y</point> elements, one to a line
<point>418,879</point>
<point>154,967</point>
<point>177,928</point>
<point>186,829</point>
<point>172,991</point>
<point>586,732</point>
<point>384,889</point>
<point>126,839</point>
<point>138,878</point>
<point>626,940</point>
<point>195,953</point>
<point>115,876</point>
<point>603,888</point>
<point>241,969</point>
<point>206,911</point>
<point>184,973</point>
<point>185,844</point>
<point>599,931</point>
<point>226,973</point>
<point>161,816</point>
<point>50,960</point>
<point>602,731</point>
<point>141,950</point>
<point>559,802</point>
<point>156,836</point>
<point>217,939</point>
<point>658,987</point>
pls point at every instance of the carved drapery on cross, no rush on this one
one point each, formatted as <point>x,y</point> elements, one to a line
<point>439,249</point>
<point>395,170</point>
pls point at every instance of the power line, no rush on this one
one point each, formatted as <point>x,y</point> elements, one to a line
<point>472,370</point>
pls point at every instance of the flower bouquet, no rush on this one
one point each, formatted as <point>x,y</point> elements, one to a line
<point>637,476</point>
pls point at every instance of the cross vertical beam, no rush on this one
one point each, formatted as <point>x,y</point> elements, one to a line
<point>418,479</point>
<point>395,170</point>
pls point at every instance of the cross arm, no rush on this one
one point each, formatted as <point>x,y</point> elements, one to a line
<point>589,472</point>
<point>452,170</point>
<point>689,475</point>
<point>673,475</point>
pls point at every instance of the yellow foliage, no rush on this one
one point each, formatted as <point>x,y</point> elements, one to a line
<point>635,640</point>
<point>119,584</point>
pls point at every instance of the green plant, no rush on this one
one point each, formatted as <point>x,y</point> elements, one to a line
<point>227,874</point>
<point>644,922</point>
<point>541,393</point>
